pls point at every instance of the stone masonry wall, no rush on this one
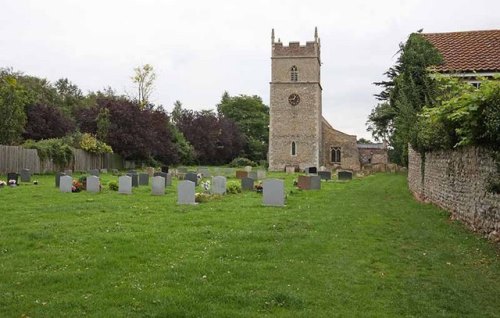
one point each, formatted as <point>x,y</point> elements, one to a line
<point>456,181</point>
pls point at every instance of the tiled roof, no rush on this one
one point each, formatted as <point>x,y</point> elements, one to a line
<point>467,51</point>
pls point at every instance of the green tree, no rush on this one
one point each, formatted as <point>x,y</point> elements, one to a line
<point>103,123</point>
<point>252,117</point>
<point>144,77</point>
<point>13,98</point>
<point>409,88</point>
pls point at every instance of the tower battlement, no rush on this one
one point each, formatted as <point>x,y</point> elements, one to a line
<point>311,48</point>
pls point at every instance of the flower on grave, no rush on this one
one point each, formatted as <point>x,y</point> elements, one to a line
<point>206,185</point>
<point>12,183</point>
<point>259,188</point>
<point>199,176</point>
<point>2,183</point>
<point>35,182</point>
<point>77,186</point>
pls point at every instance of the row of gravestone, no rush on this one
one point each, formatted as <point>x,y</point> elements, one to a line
<point>327,175</point>
<point>256,175</point>
<point>25,176</point>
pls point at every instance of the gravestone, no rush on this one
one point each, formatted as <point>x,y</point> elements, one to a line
<point>315,182</point>
<point>191,176</point>
<point>240,174</point>
<point>273,192</point>
<point>150,171</point>
<point>135,179</point>
<point>311,170</point>
<point>219,185</point>
<point>94,172</point>
<point>143,179</point>
<point>68,172</point>
<point>205,172</point>
<point>290,169</point>
<point>125,185</point>
<point>185,192</point>
<point>325,175</point>
<point>115,172</point>
<point>104,171</point>
<point>164,169</point>
<point>248,168</point>
<point>344,175</point>
<point>228,172</point>
<point>13,176</point>
<point>25,175</point>
<point>66,184</point>
<point>93,184</point>
<point>158,185</point>
<point>304,182</point>
<point>247,184</point>
<point>168,180</point>
<point>58,178</point>
<point>261,174</point>
<point>182,170</point>
<point>253,175</point>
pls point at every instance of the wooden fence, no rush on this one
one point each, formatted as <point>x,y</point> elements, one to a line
<point>16,158</point>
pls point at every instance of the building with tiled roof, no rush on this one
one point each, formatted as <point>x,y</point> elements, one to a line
<point>469,54</point>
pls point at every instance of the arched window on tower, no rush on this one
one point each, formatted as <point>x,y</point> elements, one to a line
<point>294,74</point>
<point>294,148</point>
<point>335,155</point>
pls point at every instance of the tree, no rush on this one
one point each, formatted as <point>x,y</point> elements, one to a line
<point>364,141</point>
<point>13,97</point>
<point>144,77</point>
<point>252,118</point>
<point>44,122</point>
<point>408,89</point>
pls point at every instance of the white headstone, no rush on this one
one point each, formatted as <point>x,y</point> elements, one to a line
<point>185,192</point>
<point>219,185</point>
<point>274,192</point>
<point>158,187</point>
<point>125,185</point>
<point>261,174</point>
<point>93,184</point>
<point>248,168</point>
<point>65,183</point>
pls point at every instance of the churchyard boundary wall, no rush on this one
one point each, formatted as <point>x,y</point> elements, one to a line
<point>16,158</point>
<point>457,180</point>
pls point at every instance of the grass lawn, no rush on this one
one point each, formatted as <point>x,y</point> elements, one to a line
<point>363,248</point>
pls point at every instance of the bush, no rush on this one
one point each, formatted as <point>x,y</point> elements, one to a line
<point>241,162</point>
<point>113,186</point>
<point>55,149</point>
<point>83,181</point>
<point>90,144</point>
<point>202,197</point>
<point>233,187</point>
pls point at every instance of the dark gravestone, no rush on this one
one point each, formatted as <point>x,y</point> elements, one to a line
<point>135,179</point>
<point>94,172</point>
<point>131,171</point>
<point>315,182</point>
<point>247,184</point>
<point>58,178</point>
<point>344,175</point>
<point>13,176</point>
<point>312,170</point>
<point>240,174</point>
<point>164,169</point>
<point>191,176</point>
<point>143,179</point>
<point>325,175</point>
<point>304,182</point>
<point>25,175</point>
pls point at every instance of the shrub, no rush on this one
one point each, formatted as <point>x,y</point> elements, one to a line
<point>90,144</point>
<point>55,149</point>
<point>241,162</point>
<point>113,186</point>
<point>233,187</point>
<point>83,181</point>
<point>202,197</point>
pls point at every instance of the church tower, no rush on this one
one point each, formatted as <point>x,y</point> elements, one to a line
<point>295,105</point>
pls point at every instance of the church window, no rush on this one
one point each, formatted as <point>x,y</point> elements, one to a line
<point>294,74</point>
<point>294,148</point>
<point>335,155</point>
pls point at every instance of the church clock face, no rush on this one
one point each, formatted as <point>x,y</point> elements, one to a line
<point>294,99</point>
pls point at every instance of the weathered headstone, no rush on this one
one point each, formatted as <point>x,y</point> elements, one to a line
<point>68,172</point>
<point>182,170</point>
<point>253,175</point>
<point>94,172</point>
<point>290,169</point>
<point>13,176</point>
<point>247,184</point>
<point>205,172</point>
<point>248,168</point>
<point>135,179</point>
<point>168,180</point>
<point>158,185</point>
<point>325,175</point>
<point>66,183</point>
<point>58,178</point>
<point>125,185</point>
<point>219,185</point>
<point>25,175</point>
<point>261,174</point>
<point>311,170</point>
<point>185,192</point>
<point>193,177</point>
<point>228,172</point>
<point>304,182</point>
<point>240,174</point>
<point>150,171</point>
<point>273,192</point>
<point>315,182</point>
<point>344,175</point>
<point>93,184</point>
<point>104,170</point>
<point>143,179</point>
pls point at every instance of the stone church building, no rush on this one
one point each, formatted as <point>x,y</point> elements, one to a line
<point>299,135</point>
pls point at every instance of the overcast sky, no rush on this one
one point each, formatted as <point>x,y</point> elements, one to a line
<point>199,49</point>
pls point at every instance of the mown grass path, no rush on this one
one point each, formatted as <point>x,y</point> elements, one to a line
<point>358,249</point>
